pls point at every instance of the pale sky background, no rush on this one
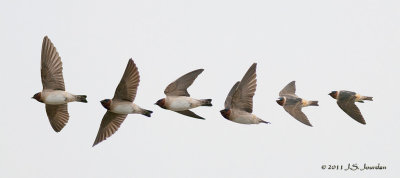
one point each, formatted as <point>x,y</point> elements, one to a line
<point>323,45</point>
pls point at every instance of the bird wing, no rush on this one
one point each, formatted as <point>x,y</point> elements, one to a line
<point>228,99</point>
<point>295,111</point>
<point>190,114</point>
<point>129,83</point>
<point>243,97</point>
<point>51,67</point>
<point>180,85</point>
<point>58,116</point>
<point>289,89</point>
<point>346,102</point>
<point>109,125</point>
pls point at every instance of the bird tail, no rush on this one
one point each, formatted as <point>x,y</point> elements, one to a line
<point>265,122</point>
<point>81,98</point>
<point>147,112</point>
<point>367,98</point>
<point>206,102</point>
<point>313,103</point>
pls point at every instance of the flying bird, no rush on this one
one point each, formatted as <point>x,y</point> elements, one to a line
<point>53,94</point>
<point>239,102</point>
<point>121,104</point>
<point>346,101</point>
<point>293,104</point>
<point>178,99</point>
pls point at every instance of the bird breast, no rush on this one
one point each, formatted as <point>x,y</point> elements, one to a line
<point>242,117</point>
<point>122,107</point>
<point>55,97</point>
<point>181,103</point>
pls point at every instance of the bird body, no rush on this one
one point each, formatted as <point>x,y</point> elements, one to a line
<point>178,99</point>
<point>294,104</point>
<point>346,101</point>
<point>239,102</point>
<point>53,93</point>
<point>243,117</point>
<point>181,103</point>
<point>292,100</point>
<point>124,107</point>
<point>57,97</point>
<point>121,104</point>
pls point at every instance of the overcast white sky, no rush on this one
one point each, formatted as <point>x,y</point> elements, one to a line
<point>323,45</point>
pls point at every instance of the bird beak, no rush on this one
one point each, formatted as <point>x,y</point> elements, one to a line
<point>32,97</point>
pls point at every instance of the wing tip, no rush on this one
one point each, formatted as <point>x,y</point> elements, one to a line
<point>95,143</point>
<point>46,40</point>
<point>57,130</point>
<point>252,70</point>
<point>253,66</point>
<point>130,61</point>
<point>199,70</point>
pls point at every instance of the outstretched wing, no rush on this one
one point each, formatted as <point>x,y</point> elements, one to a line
<point>295,111</point>
<point>129,83</point>
<point>228,99</point>
<point>51,67</point>
<point>180,85</point>
<point>346,103</point>
<point>290,89</point>
<point>109,125</point>
<point>190,114</point>
<point>58,116</point>
<point>243,97</point>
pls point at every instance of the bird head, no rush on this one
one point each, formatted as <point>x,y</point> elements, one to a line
<point>161,103</point>
<point>225,113</point>
<point>106,103</point>
<point>37,97</point>
<point>334,94</point>
<point>280,101</point>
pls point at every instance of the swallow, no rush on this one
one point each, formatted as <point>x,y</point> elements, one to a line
<point>178,99</point>
<point>346,101</point>
<point>121,104</point>
<point>53,94</point>
<point>239,102</point>
<point>293,104</point>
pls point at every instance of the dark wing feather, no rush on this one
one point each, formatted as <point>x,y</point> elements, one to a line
<point>180,85</point>
<point>289,89</point>
<point>58,116</point>
<point>51,67</point>
<point>190,114</point>
<point>228,99</point>
<point>109,125</point>
<point>243,97</point>
<point>346,103</point>
<point>295,111</point>
<point>129,83</point>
